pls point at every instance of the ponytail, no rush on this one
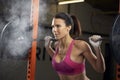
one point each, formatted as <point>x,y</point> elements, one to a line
<point>76,29</point>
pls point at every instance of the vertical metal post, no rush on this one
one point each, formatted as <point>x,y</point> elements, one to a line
<point>118,65</point>
<point>32,55</point>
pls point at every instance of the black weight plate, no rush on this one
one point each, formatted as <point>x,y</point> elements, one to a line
<point>116,39</point>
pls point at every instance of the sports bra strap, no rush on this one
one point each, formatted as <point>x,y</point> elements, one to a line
<point>70,48</point>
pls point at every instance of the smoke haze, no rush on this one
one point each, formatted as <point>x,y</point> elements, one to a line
<point>17,36</point>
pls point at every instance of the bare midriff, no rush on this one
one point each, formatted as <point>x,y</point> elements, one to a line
<point>80,76</point>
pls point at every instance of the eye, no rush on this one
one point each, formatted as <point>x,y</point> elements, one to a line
<point>58,26</point>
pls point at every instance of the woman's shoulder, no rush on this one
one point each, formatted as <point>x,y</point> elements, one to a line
<point>81,43</point>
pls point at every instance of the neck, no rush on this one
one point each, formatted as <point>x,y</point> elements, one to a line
<point>64,42</point>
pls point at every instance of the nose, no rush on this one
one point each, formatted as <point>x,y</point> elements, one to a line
<point>54,29</point>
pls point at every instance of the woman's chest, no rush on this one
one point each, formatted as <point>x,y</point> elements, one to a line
<point>74,55</point>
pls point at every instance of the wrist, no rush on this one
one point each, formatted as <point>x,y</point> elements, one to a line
<point>97,48</point>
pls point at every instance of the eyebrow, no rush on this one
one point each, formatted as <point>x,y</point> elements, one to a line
<point>55,25</point>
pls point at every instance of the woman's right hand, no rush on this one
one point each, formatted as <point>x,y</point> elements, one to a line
<point>48,41</point>
<point>95,40</point>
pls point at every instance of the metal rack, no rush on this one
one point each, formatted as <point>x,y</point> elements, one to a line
<point>32,55</point>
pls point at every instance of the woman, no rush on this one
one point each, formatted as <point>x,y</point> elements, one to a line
<point>68,58</point>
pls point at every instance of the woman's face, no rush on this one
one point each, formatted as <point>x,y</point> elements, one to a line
<point>59,28</point>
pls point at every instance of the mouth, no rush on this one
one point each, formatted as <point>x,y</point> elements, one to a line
<point>56,35</point>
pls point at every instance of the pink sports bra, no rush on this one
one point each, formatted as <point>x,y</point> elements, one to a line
<point>67,66</point>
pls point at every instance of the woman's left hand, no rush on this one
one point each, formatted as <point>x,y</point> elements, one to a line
<point>95,40</point>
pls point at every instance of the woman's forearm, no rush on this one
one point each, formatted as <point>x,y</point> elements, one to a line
<point>100,63</point>
<point>50,51</point>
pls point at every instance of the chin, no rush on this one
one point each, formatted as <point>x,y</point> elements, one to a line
<point>57,38</point>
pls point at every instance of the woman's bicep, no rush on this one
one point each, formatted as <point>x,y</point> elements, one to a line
<point>89,55</point>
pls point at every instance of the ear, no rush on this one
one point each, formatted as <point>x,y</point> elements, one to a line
<point>69,28</point>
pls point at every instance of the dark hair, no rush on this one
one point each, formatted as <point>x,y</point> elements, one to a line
<point>70,20</point>
<point>66,17</point>
<point>76,30</point>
